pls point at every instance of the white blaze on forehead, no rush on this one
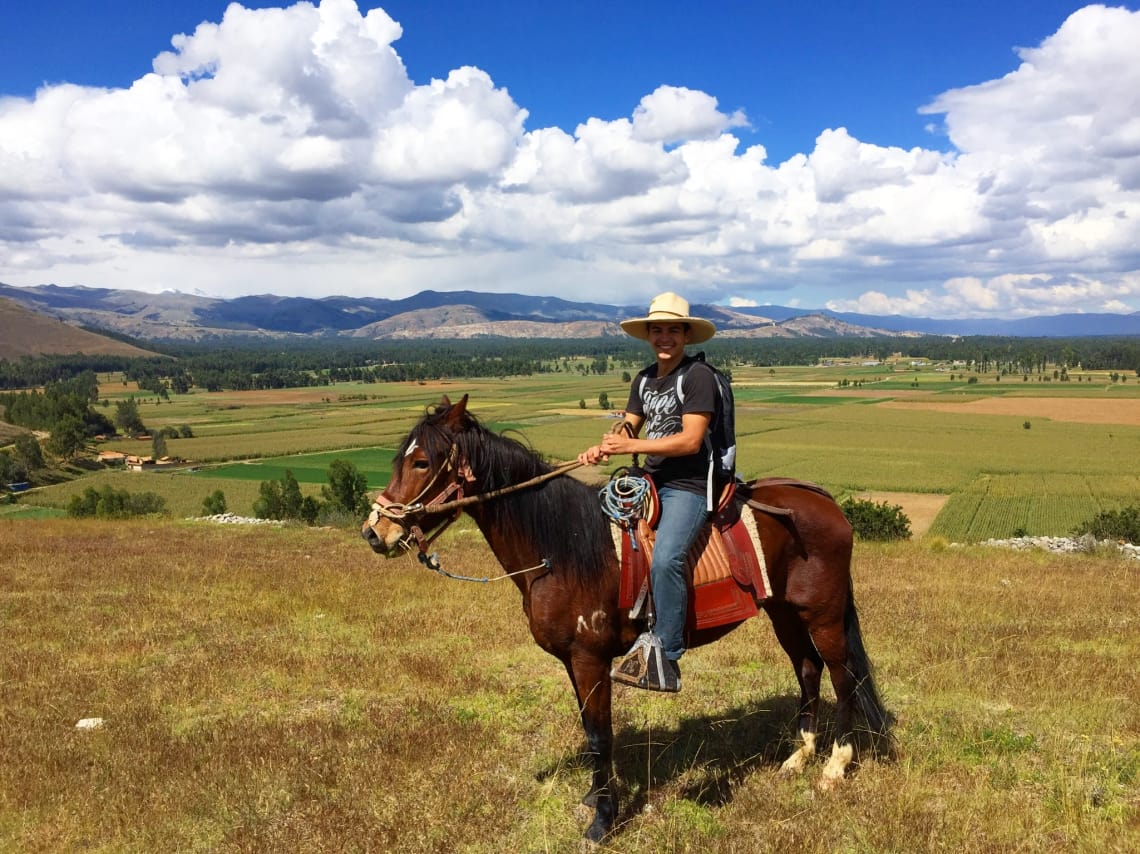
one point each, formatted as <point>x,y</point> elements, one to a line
<point>411,448</point>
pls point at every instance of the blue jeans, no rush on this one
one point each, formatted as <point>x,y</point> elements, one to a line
<point>682,514</point>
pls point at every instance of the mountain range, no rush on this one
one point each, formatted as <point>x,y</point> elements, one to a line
<point>472,314</point>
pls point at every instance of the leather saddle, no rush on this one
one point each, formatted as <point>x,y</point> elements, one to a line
<point>725,566</point>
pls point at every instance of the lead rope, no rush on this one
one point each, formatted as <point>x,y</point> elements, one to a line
<point>432,562</point>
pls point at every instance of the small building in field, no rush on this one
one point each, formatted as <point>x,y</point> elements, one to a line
<point>135,463</point>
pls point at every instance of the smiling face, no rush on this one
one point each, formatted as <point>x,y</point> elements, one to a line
<point>668,341</point>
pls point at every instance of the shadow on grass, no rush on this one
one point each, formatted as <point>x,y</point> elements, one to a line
<point>707,757</point>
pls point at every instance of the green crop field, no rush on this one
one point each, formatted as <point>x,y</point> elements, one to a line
<point>1010,455</point>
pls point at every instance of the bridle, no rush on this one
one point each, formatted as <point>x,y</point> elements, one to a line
<point>406,515</point>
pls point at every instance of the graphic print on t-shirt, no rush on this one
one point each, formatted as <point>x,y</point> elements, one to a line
<point>662,412</point>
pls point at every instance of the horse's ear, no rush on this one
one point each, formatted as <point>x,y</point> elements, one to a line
<point>444,402</point>
<point>457,415</point>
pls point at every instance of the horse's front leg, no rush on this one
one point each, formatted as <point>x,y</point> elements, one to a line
<point>590,676</point>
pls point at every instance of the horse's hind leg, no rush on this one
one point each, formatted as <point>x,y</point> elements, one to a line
<point>831,642</point>
<point>792,633</point>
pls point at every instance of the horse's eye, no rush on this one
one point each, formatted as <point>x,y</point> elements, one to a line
<point>420,464</point>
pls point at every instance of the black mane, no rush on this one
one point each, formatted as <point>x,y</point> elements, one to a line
<point>561,517</point>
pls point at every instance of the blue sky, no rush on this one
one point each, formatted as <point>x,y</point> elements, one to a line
<point>951,159</point>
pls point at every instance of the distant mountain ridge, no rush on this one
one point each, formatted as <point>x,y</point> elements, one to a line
<point>473,314</point>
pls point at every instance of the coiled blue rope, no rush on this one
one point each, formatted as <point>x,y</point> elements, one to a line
<point>624,497</point>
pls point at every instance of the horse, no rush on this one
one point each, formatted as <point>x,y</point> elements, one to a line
<point>551,537</point>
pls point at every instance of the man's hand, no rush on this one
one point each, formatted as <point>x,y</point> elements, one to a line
<point>592,456</point>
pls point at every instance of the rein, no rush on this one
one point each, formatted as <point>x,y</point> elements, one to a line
<point>460,503</point>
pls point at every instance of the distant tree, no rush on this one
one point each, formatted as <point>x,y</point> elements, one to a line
<point>581,403</point>
<point>347,489</point>
<point>625,376</point>
<point>280,499</point>
<point>110,503</point>
<point>28,452</point>
<point>11,470</point>
<point>184,432</point>
<point>68,437</point>
<point>158,445</point>
<point>604,400</point>
<point>214,504</point>
<point>310,510</point>
<point>269,504</point>
<point>127,417</point>
<point>180,382</point>
<point>291,498</point>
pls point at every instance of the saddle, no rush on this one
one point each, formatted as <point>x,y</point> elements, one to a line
<point>725,566</point>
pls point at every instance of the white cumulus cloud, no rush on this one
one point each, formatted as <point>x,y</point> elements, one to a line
<point>287,149</point>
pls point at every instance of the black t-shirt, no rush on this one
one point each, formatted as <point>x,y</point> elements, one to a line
<point>662,410</point>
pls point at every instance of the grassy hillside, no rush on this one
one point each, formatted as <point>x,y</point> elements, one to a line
<point>288,690</point>
<point>27,333</point>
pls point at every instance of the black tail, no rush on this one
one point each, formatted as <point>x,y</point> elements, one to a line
<point>878,718</point>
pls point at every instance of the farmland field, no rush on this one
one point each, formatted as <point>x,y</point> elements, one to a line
<point>996,456</point>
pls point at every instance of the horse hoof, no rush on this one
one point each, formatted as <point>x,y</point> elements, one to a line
<point>826,783</point>
<point>788,772</point>
<point>836,767</point>
<point>793,766</point>
<point>595,836</point>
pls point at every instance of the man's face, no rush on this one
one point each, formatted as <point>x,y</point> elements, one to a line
<point>668,340</point>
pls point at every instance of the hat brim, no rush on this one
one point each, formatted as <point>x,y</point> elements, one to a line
<point>702,330</point>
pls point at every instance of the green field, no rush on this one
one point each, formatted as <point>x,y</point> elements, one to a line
<point>854,429</point>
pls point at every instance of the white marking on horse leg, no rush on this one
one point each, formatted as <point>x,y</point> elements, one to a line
<point>581,624</point>
<point>836,767</point>
<point>795,763</point>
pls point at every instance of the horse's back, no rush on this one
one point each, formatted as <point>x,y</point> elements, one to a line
<point>806,539</point>
<point>809,505</point>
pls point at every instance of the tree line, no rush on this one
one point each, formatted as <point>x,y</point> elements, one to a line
<point>278,364</point>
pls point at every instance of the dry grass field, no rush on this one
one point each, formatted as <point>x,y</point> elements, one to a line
<point>287,690</point>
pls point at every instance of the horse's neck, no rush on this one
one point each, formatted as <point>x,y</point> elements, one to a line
<point>513,546</point>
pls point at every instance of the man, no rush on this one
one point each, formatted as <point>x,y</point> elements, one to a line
<point>676,458</point>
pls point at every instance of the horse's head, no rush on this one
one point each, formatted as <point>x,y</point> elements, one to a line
<point>428,470</point>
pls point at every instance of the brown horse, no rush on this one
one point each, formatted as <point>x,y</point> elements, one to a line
<point>554,538</point>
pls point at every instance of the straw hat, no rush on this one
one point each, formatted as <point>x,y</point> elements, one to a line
<point>669,308</point>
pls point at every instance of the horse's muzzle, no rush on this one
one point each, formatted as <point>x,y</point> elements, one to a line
<point>385,537</point>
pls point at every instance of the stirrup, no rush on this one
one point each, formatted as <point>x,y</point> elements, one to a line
<point>645,666</point>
